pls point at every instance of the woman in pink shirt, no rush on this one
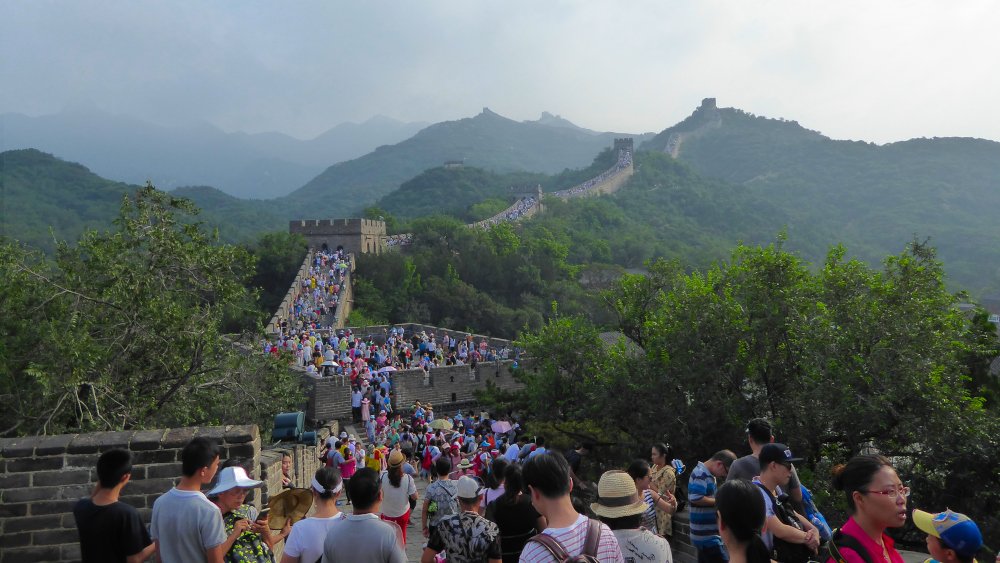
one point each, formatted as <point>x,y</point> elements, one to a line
<point>876,500</point>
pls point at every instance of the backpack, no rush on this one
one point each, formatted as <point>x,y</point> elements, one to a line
<point>426,462</point>
<point>813,515</point>
<point>787,552</point>
<point>839,540</point>
<point>559,553</point>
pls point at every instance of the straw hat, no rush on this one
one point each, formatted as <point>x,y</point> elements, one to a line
<point>396,458</point>
<point>464,464</point>
<point>291,505</point>
<point>617,496</point>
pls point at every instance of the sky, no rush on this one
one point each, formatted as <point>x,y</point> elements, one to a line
<point>875,71</point>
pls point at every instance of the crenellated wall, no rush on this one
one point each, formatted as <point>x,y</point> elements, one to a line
<point>357,236</point>
<point>291,295</point>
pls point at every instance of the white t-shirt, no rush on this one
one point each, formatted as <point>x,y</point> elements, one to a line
<point>186,523</point>
<point>643,545</point>
<point>396,500</point>
<point>308,535</point>
<point>572,539</point>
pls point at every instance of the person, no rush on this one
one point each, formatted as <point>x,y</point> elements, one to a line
<point>876,500</point>
<point>951,537</point>
<point>575,459</point>
<point>775,472</point>
<point>655,502</point>
<point>514,514</point>
<point>623,510</point>
<point>663,481</point>
<point>439,498</point>
<point>110,530</point>
<point>467,537</point>
<point>760,432</point>
<point>398,490</point>
<point>740,515</point>
<point>185,525</point>
<point>286,471</point>
<point>247,540</point>
<point>363,537</point>
<point>547,478</point>
<point>305,543</point>
<point>494,481</point>
<point>701,494</point>
<point>356,397</point>
<point>539,448</point>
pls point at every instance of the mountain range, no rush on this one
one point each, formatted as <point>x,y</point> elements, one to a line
<point>261,165</point>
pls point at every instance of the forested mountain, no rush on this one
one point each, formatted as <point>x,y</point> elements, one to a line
<point>488,141</point>
<point>44,199</point>
<point>873,198</point>
<point>246,165</point>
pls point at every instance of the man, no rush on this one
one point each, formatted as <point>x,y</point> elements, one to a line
<point>701,495</point>
<point>363,537</point>
<point>439,498</point>
<point>775,472</point>
<point>575,457</point>
<point>547,478</point>
<point>186,526</point>
<point>539,447</point>
<point>356,396</point>
<point>951,537</point>
<point>514,448</point>
<point>467,536</point>
<point>760,432</point>
<point>111,531</point>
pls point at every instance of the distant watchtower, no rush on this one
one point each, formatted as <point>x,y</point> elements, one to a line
<point>622,145</point>
<point>358,236</point>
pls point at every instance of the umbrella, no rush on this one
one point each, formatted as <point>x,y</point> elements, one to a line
<point>441,424</point>
<point>386,369</point>
<point>501,427</point>
<point>330,363</point>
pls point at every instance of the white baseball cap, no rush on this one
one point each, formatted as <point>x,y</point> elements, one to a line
<point>232,477</point>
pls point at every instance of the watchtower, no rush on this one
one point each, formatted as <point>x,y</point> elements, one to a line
<point>358,236</point>
<point>623,145</point>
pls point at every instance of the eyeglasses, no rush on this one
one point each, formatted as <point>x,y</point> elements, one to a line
<point>892,493</point>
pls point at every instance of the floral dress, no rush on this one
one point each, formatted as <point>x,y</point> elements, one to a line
<point>249,547</point>
<point>664,480</point>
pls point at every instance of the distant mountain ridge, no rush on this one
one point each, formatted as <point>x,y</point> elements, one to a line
<point>488,141</point>
<point>261,165</point>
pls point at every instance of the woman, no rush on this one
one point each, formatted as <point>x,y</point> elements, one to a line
<point>494,481</point>
<point>246,540</point>
<point>622,509</point>
<point>876,500</point>
<point>640,472</point>
<point>740,513</point>
<point>398,491</point>
<point>663,480</point>
<point>514,515</point>
<point>305,543</point>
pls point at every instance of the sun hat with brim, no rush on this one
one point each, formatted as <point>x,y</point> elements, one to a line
<point>290,505</point>
<point>956,531</point>
<point>231,478</point>
<point>396,458</point>
<point>464,464</point>
<point>617,496</point>
<point>468,488</point>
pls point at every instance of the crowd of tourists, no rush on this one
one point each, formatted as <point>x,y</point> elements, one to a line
<point>496,496</point>
<point>623,162</point>
<point>315,296</point>
<point>511,214</point>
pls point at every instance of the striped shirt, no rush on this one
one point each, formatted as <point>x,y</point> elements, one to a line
<point>572,539</point>
<point>704,530</point>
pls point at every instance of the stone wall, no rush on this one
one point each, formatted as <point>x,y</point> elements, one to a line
<point>42,477</point>
<point>379,332</point>
<point>355,235</point>
<point>294,289</point>
<point>447,387</point>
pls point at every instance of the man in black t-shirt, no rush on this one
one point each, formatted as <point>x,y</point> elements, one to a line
<point>110,530</point>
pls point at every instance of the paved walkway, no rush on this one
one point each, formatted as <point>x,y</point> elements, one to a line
<point>415,539</point>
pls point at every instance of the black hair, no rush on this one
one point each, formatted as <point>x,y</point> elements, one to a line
<point>396,474</point>
<point>588,445</point>
<point>540,441</point>
<point>638,469</point>
<point>199,452</point>
<point>624,523</point>
<point>442,466</point>
<point>496,473</point>
<point>328,478</point>
<point>665,449</point>
<point>112,466</point>
<point>363,488</point>
<point>513,483</point>
<point>725,456</point>
<point>857,474</point>
<point>741,507</point>
<point>548,473</point>
<point>760,430</point>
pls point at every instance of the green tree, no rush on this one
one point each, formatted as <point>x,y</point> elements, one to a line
<point>124,329</point>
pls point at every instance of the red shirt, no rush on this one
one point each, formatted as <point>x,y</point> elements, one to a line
<point>852,529</point>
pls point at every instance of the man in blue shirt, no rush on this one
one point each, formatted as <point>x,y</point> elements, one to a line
<point>701,495</point>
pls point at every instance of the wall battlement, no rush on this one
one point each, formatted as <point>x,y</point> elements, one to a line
<point>356,235</point>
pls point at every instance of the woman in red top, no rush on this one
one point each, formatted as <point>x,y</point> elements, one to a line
<point>876,499</point>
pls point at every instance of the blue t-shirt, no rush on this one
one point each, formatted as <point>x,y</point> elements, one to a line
<point>704,530</point>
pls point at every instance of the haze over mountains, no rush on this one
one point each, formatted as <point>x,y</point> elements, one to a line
<point>261,165</point>
<point>736,177</point>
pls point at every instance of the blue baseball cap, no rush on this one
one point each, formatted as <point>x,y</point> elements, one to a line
<point>956,531</point>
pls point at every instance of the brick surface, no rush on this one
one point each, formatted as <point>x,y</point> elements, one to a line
<point>21,446</point>
<point>15,480</point>
<point>9,509</point>
<point>146,440</point>
<point>70,552</point>
<point>30,523</point>
<point>82,461</point>
<point>15,540</point>
<point>169,470</point>
<point>241,434</point>
<point>19,465</point>
<point>55,537</point>
<point>42,508</point>
<point>177,438</point>
<point>154,456</point>
<point>98,442</point>
<point>66,477</point>
<point>54,445</point>
<point>31,554</point>
<point>150,486</point>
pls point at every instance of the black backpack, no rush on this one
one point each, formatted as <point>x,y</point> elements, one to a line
<point>784,551</point>
<point>840,540</point>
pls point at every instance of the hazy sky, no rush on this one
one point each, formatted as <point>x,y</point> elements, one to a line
<point>878,71</point>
